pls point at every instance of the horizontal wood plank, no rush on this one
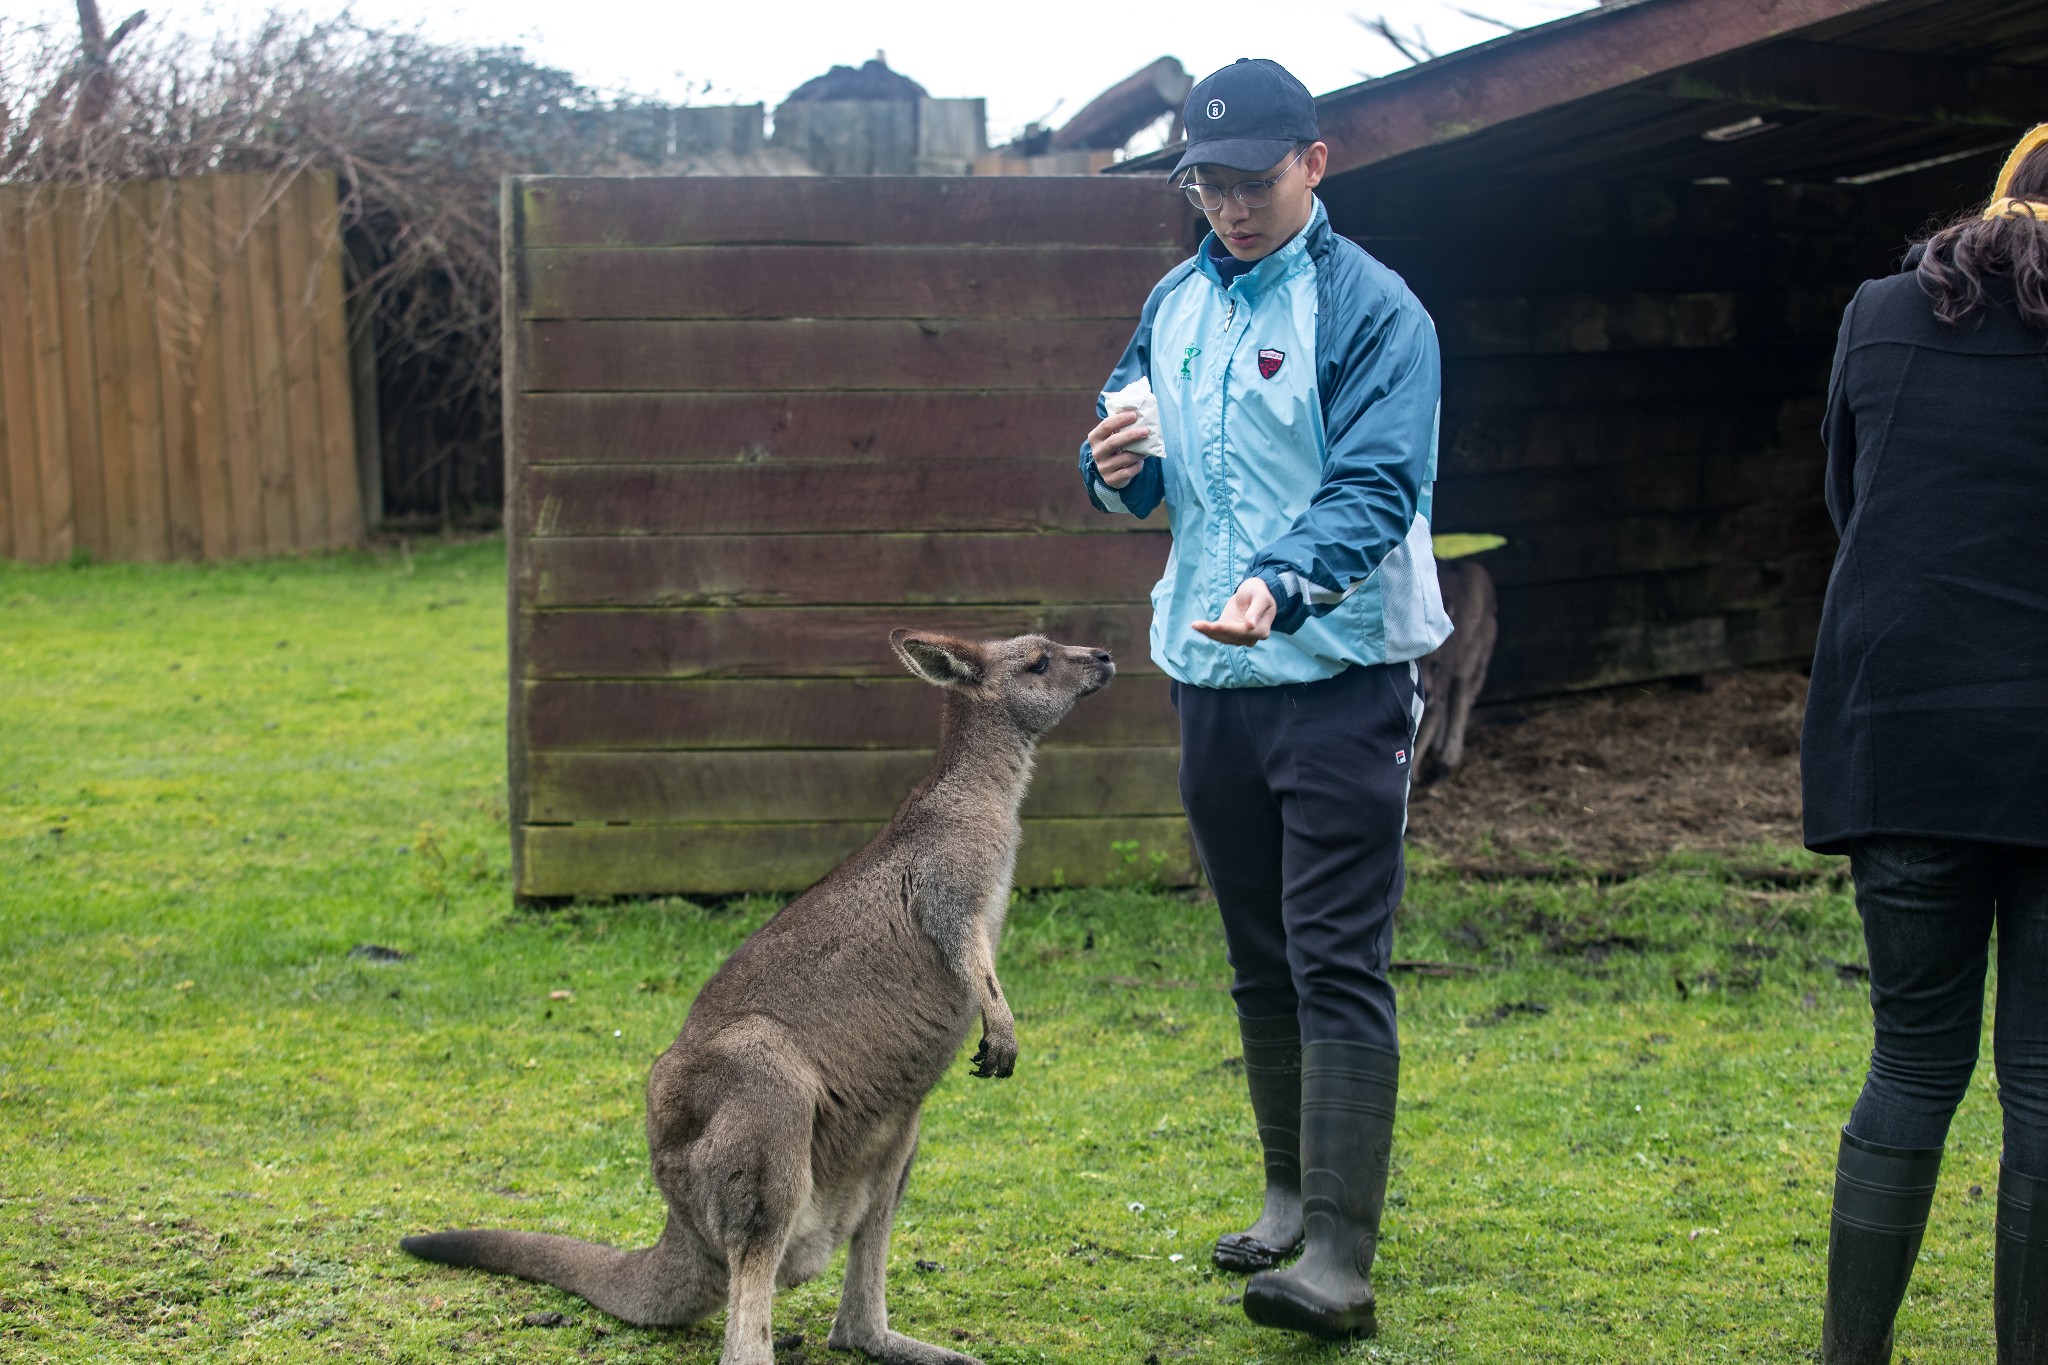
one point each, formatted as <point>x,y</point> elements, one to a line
<point>1624,432</point>
<point>755,428</point>
<point>629,860</point>
<point>841,282</point>
<point>1565,609</point>
<point>653,211</point>
<point>737,786</point>
<point>819,354</point>
<point>811,642</point>
<point>1677,485</point>
<point>677,428</point>
<point>883,713</point>
<point>1537,663</point>
<point>1558,215</point>
<point>1563,381</point>
<point>1445,271</point>
<point>1563,552</point>
<point>1588,323</point>
<point>1043,494</point>
<point>823,570</point>
<point>1828,77</point>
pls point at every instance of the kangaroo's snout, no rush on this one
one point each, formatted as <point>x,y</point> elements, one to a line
<point>1102,668</point>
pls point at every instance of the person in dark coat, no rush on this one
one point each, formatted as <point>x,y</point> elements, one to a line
<point>1925,756</point>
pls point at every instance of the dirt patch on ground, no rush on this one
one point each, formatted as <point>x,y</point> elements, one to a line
<point>1625,776</point>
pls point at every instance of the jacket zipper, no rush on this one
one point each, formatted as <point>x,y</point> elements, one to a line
<point>1222,417</point>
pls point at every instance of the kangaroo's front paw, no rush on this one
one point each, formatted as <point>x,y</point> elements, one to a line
<point>997,1055</point>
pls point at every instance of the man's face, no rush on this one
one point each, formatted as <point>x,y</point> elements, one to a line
<point>1252,234</point>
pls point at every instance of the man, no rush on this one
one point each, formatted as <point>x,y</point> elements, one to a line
<point>1297,383</point>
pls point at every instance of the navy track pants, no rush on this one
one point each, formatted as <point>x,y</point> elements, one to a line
<point>1298,797</point>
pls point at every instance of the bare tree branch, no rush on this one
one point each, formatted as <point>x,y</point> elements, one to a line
<point>1413,46</point>
<point>1489,19</point>
<point>127,26</point>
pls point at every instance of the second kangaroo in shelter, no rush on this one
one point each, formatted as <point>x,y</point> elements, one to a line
<point>1454,676</point>
<point>783,1120</point>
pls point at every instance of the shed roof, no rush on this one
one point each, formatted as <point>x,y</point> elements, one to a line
<point>1805,90</point>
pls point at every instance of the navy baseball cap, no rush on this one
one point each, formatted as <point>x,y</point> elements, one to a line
<point>1246,116</point>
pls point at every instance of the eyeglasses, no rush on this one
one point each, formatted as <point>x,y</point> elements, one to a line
<point>1253,194</point>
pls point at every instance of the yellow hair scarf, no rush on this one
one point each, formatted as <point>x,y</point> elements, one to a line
<point>2003,205</point>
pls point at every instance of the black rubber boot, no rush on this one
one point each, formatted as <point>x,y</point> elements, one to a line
<point>1272,1071</point>
<point>2020,1278</point>
<point>1882,1195</point>
<point>1347,1134</point>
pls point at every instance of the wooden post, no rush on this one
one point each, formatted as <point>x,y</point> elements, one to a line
<point>45,309</point>
<point>110,379</point>
<point>234,218</point>
<point>512,234</point>
<point>298,298</point>
<point>17,386</point>
<point>177,345</point>
<point>337,405</point>
<point>81,406</point>
<point>266,344</point>
<point>141,208</point>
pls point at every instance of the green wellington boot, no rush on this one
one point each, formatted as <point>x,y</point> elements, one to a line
<point>1347,1133</point>
<point>1882,1195</point>
<point>2020,1274</point>
<point>1272,1071</point>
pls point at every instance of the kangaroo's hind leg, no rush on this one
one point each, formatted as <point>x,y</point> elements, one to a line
<point>750,1177</point>
<point>862,1323</point>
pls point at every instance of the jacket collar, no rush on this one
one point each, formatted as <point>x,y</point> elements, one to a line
<point>1280,264</point>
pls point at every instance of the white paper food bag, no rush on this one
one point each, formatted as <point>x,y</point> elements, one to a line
<point>1137,397</point>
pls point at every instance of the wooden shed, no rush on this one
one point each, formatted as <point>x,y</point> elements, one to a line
<point>1636,229</point>
<point>754,424</point>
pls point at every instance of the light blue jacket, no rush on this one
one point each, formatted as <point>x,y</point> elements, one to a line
<point>1298,409</point>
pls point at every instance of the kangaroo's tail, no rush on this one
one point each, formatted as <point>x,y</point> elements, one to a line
<point>648,1288</point>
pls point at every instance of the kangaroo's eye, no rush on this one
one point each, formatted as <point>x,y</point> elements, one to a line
<point>1040,664</point>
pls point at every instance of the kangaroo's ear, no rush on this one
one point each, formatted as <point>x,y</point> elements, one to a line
<point>939,659</point>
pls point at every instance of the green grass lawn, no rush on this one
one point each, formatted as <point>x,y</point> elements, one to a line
<point>1616,1138</point>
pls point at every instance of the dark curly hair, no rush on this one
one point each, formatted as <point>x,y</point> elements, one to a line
<point>1957,258</point>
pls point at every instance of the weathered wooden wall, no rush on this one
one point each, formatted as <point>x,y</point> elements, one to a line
<point>755,424</point>
<point>174,371</point>
<point>1634,379</point>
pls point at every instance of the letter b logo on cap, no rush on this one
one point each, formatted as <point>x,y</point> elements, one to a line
<point>1215,109</point>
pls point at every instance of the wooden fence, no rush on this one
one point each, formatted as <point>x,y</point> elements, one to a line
<point>753,425</point>
<point>174,371</point>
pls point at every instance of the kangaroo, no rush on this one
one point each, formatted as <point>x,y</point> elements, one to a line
<point>1454,675</point>
<point>783,1119</point>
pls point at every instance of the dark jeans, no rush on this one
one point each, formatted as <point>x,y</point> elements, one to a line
<point>1298,796</point>
<point>1928,908</point>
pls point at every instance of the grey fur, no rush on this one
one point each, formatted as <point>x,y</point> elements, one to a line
<point>783,1120</point>
<point>1454,676</point>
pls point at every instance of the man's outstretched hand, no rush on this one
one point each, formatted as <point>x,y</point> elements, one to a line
<point>1247,617</point>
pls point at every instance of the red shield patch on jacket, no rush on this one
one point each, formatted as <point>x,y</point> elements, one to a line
<point>1270,361</point>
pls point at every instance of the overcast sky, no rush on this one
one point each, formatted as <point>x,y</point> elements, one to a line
<point>1041,60</point>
